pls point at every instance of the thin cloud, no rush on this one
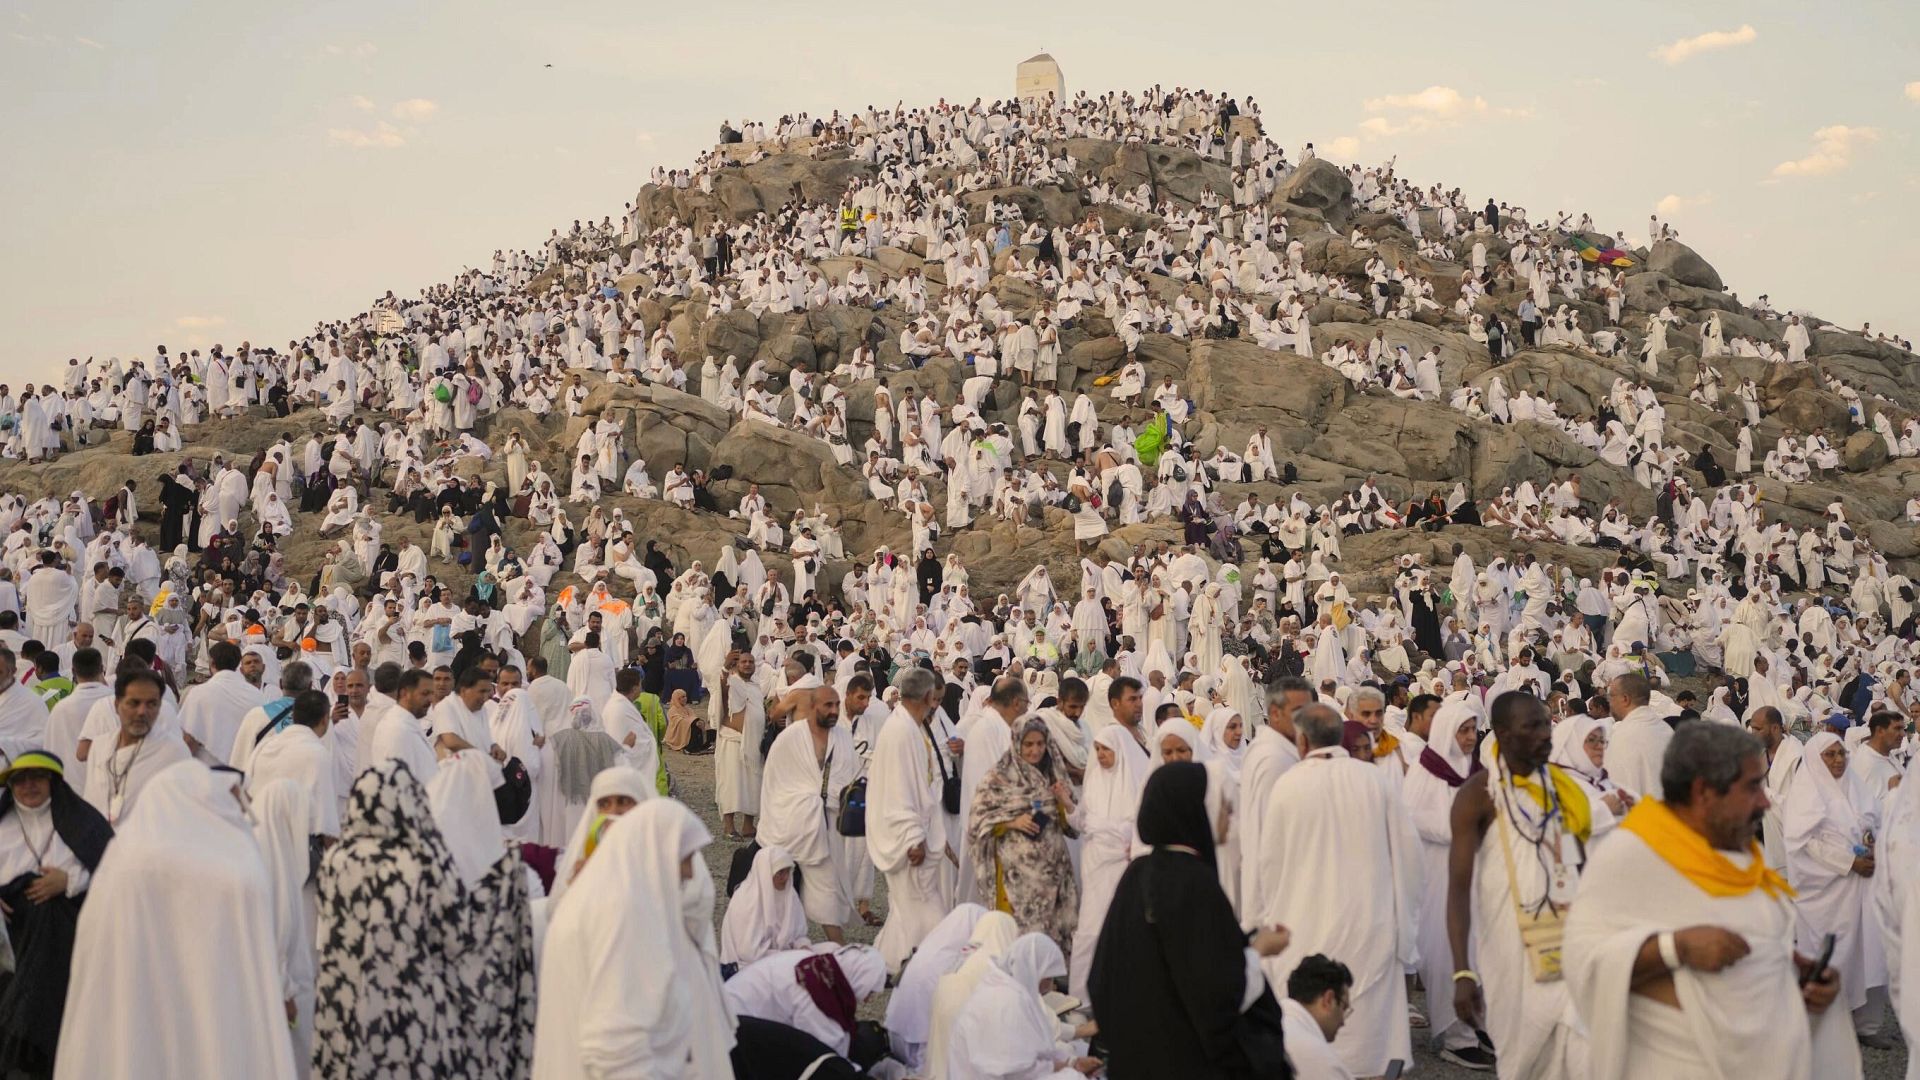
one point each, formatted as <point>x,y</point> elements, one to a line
<point>1673,204</point>
<point>362,49</point>
<point>88,42</point>
<point>199,322</point>
<point>1424,110</point>
<point>381,136</point>
<point>1913,92</point>
<point>364,104</point>
<point>1675,52</point>
<point>1345,146</point>
<point>417,110</point>
<point>1833,149</point>
<point>1442,101</point>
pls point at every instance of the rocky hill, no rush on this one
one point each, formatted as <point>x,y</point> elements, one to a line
<point>1333,435</point>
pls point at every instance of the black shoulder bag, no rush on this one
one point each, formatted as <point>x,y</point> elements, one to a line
<point>949,784</point>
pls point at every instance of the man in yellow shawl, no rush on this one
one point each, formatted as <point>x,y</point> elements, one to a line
<point>1521,828</point>
<point>1679,948</point>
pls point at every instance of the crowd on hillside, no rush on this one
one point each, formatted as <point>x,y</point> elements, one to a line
<point>438,827</point>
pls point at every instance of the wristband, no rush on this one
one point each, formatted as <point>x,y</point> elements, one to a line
<point>1669,952</point>
<point>1466,973</point>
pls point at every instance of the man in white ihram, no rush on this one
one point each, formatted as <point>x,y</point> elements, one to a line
<point>1332,818</point>
<point>906,826</point>
<point>808,766</point>
<point>50,596</point>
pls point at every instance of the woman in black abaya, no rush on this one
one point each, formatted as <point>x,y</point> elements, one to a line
<point>51,841</point>
<point>1426,622</point>
<point>1169,985</point>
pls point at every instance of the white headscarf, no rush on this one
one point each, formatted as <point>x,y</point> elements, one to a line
<point>1005,1027</point>
<point>761,917</point>
<point>232,1021</point>
<point>629,973</point>
<point>992,935</point>
<point>461,795</point>
<point>612,780</point>
<point>910,1006</point>
<point>1113,795</point>
<point>1181,729</point>
<point>1570,747</point>
<point>1821,802</point>
<point>1214,734</point>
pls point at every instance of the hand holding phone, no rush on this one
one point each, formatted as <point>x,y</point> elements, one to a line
<point>1819,968</point>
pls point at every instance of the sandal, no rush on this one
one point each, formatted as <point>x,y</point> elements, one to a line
<point>871,919</point>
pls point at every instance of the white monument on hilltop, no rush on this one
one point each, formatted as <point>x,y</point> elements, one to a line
<point>1038,78</point>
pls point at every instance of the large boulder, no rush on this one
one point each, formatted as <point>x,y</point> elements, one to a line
<point>1579,382</point>
<point>793,470</point>
<point>1036,204</point>
<point>1461,357</point>
<point>1826,340</point>
<point>1805,409</point>
<point>1678,261</point>
<point>1243,385</point>
<point>1864,450</point>
<point>1318,184</point>
<point>736,333</point>
<point>1415,447</point>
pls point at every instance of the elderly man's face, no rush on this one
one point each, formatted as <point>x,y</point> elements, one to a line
<point>1369,711</point>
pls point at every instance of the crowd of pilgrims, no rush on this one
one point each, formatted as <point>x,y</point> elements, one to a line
<point>373,794</point>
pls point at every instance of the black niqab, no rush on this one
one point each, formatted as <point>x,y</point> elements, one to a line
<point>1169,971</point>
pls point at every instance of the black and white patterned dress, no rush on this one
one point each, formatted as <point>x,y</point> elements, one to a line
<point>418,975</point>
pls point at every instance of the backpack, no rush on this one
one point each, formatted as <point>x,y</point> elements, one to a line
<point>1116,493</point>
<point>853,809</point>
<point>473,392</point>
<point>742,865</point>
<point>514,796</point>
<point>273,722</point>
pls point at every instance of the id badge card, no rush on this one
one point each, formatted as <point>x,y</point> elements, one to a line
<point>1560,881</point>
<point>1560,876</point>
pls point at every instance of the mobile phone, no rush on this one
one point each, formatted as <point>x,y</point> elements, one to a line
<point>1820,965</point>
<point>1394,1069</point>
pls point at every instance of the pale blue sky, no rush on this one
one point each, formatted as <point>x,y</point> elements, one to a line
<point>219,171</point>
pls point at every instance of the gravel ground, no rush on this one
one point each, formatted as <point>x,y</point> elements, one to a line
<point>693,779</point>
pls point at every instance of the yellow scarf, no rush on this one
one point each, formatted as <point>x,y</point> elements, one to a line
<point>1688,852</point>
<point>1573,800</point>
<point>1384,744</point>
